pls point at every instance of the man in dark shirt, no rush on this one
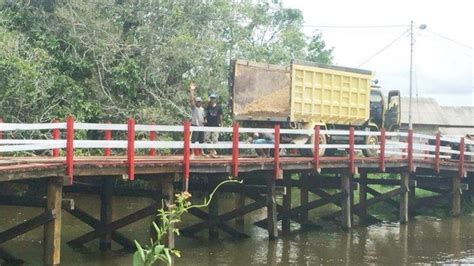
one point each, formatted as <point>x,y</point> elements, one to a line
<point>213,119</point>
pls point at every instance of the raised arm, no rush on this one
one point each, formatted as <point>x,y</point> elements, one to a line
<point>192,88</point>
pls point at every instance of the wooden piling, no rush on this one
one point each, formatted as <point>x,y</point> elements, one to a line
<point>363,196</point>
<point>213,208</point>
<point>239,203</point>
<point>456,197</point>
<point>404,196</point>
<point>304,196</point>
<point>346,201</point>
<point>52,229</point>
<point>168,195</point>
<point>106,195</point>
<point>285,226</point>
<point>412,194</point>
<point>272,225</point>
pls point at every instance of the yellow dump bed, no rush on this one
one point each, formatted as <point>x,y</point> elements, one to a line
<point>302,92</point>
<point>329,94</point>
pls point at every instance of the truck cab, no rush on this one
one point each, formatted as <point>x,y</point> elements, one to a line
<point>384,114</point>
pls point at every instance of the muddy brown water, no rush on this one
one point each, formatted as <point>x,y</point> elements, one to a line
<point>424,240</point>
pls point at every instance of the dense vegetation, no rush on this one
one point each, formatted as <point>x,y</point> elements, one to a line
<point>112,59</point>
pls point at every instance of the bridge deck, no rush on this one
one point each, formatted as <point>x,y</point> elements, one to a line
<point>14,168</point>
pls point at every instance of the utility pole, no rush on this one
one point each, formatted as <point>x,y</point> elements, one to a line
<point>410,125</point>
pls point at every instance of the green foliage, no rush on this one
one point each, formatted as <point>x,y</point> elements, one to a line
<point>168,217</point>
<point>109,60</point>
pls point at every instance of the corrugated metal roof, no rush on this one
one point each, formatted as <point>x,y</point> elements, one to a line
<point>426,111</point>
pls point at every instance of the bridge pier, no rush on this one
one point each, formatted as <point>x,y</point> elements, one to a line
<point>456,196</point>
<point>346,211</point>
<point>304,196</point>
<point>363,196</point>
<point>285,224</point>
<point>52,229</point>
<point>272,220</point>
<point>106,197</point>
<point>404,196</point>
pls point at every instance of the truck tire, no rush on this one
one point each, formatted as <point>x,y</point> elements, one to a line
<point>371,140</point>
<point>310,152</point>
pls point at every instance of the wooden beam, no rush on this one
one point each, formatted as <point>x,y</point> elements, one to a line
<point>52,229</point>
<point>272,225</point>
<point>391,202</point>
<point>28,201</point>
<point>26,226</point>
<point>346,202</point>
<point>220,221</point>
<point>95,223</point>
<point>404,197</point>
<point>213,208</point>
<point>115,225</point>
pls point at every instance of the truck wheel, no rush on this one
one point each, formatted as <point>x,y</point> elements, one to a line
<point>371,140</point>
<point>310,152</point>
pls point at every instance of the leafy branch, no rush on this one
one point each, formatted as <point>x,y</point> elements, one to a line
<point>168,217</point>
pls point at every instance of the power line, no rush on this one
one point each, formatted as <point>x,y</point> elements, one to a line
<point>451,40</point>
<point>355,26</point>
<point>384,48</point>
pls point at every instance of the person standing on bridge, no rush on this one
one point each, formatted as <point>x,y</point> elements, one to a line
<point>213,119</point>
<point>198,116</point>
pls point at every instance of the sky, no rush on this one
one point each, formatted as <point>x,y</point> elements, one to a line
<point>442,69</point>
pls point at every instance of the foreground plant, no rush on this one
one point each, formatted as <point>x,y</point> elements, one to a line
<point>158,251</point>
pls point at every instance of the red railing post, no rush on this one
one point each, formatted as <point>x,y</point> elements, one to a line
<point>235,149</point>
<point>461,157</point>
<point>152,151</point>
<point>437,150</point>
<point>410,150</point>
<point>108,136</point>
<point>276,153</point>
<point>351,150</point>
<point>131,148</point>
<point>382,150</point>
<point>186,153</point>
<point>56,134</point>
<point>70,148</point>
<point>317,137</point>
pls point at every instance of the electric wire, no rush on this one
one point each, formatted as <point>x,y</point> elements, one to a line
<point>449,39</point>
<point>384,48</point>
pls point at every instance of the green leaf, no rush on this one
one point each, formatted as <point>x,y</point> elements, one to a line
<point>140,251</point>
<point>137,259</point>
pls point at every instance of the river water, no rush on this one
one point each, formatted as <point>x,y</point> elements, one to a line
<point>424,239</point>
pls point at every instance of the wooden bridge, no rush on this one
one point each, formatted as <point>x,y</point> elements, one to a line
<point>415,160</point>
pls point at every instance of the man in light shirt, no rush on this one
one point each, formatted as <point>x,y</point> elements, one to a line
<point>198,115</point>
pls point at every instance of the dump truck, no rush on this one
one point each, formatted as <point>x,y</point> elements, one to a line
<point>305,94</point>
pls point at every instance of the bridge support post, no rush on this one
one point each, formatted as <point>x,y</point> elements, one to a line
<point>272,225</point>
<point>167,190</point>
<point>346,201</point>
<point>240,203</point>
<point>404,196</point>
<point>285,225</point>
<point>106,195</point>
<point>52,229</point>
<point>412,194</point>
<point>304,197</point>
<point>213,208</point>
<point>363,196</point>
<point>456,197</point>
